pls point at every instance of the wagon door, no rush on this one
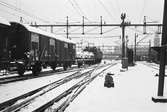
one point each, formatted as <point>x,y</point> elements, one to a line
<point>44,49</point>
<point>73,52</point>
<point>3,42</point>
<point>34,47</point>
<point>62,51</point>
<point>58,51</point>
<point>52,50</point>
<point>66,55</point>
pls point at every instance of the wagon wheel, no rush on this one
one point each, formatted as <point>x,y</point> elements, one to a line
<point>36,69</point>
<point>53,67</point>
<point>20,69</point>
<point>65,67</point>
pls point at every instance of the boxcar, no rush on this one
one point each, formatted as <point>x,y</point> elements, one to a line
<point>4,33</point>
<point>31,48</point>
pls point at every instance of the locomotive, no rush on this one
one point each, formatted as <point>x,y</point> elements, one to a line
<point>89,56</point>
<point>23,47</point>
<point>84,58</point>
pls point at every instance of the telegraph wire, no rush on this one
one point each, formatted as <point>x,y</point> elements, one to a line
<point>102,37</point>
<point>134,29</point>
<point>59,29</point>
<point>73,30</point>
<point>107,11</point>
<point>91,30</point>
<point>142,38</point>
<point>12,7</point>
<point>117,27</point>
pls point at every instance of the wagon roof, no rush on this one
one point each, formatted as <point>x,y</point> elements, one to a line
<point>4,21</point>
<point>42,32</point>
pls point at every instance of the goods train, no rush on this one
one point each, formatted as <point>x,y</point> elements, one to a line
<point>23,47</point>
<point>27,48</point>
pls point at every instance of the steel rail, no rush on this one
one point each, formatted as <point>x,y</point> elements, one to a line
<point>79,86</point>
<point>35,93</point>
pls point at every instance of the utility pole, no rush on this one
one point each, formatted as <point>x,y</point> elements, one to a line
<point>149,50</point>
<point>101,23</point>
<point>135,47</point>
<point>160,97</point>
<point>144,27</point>
<point>67,28</point>
<point>83,32</point>
<point>126,47</point>
<point>123,39</point>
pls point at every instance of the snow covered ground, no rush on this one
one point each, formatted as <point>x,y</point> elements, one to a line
<point>132,92</point>
<point>14,89</point>
<point>29,72</point>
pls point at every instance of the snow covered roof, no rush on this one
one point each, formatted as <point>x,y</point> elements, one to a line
<point>84,54</point>
<point>4,21</point>
<point>62,38</point>
<point>42,32</point>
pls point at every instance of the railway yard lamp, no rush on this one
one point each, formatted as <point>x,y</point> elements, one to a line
<point>124,57</point>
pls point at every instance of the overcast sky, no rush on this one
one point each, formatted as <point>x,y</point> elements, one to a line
<point>55,11</point>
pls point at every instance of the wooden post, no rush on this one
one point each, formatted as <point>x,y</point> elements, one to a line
<point>163,52</point>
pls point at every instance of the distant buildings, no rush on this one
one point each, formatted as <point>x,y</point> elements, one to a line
<point>156,41</point>
<point>115,52</point>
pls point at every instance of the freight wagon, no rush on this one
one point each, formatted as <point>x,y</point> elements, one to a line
<point>29,48</point>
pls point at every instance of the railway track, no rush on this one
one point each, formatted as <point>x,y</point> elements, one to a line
<point>52,106</point>
<point>22,102</point>
<point>10,79</point>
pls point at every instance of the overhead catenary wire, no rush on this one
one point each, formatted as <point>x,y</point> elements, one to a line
<point>91,30</point>
<point>72,4</point>
<point>107,11</point>
<point>140,32</point>
<point>81,10</point>
<point>142,39</point>
<point>78,10</point>
<point>60,29</point>
<point>112,36</point>
<point>74,30</point>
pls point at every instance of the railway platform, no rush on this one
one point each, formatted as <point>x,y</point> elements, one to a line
<point>133,92</point>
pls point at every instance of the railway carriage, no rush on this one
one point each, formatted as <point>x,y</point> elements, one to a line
<point>30,48</point>
<point>4,29</point>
